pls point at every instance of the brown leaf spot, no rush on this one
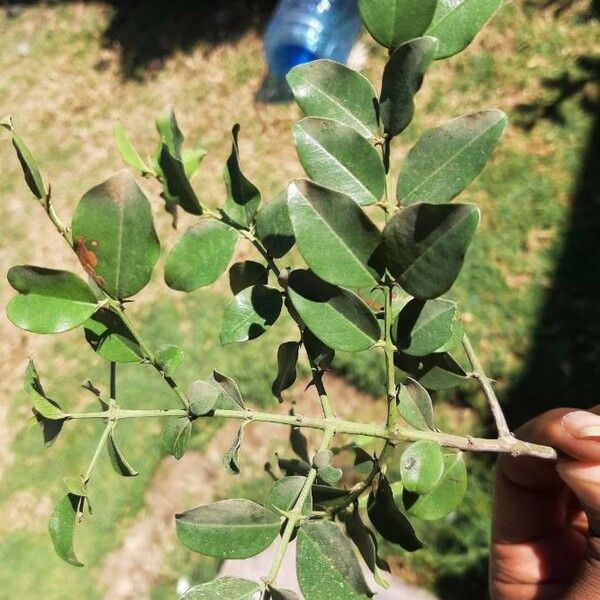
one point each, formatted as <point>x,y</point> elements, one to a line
<point>87,258</point>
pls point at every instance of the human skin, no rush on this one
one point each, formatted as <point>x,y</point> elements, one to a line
<point>546,514</point>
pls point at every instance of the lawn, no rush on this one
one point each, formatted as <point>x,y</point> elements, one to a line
<point>67,77</point>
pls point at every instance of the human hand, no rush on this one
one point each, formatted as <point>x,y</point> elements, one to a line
<point>546,515</point>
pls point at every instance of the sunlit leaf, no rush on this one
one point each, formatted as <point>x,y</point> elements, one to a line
<point>224,588</point>
<point>245,274</point>
<point>274,228</point>
<point>421,466</point>
<point>284,493</point>
<point>128,151</point>
<point>176,436</point>
<point>437,371</point>
<point>62,528</point>
<point>414,405</point>
<point>203,397</point>
<point>230,396</point>
<point>231,459</point>
<point>110,337</point>
<point>168,359</point>
<point>118,461</point>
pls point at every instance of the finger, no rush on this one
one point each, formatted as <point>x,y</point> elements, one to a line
<point>584,480</point>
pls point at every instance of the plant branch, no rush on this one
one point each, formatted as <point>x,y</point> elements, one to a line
<point>488,390</point>
<point>101,442</point>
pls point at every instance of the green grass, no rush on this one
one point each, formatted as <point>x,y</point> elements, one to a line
<point>65,107</point>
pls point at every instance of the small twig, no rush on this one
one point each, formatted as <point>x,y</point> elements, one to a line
<point>488,390</point>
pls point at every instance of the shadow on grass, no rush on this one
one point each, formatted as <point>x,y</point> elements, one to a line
<point>149,31</point>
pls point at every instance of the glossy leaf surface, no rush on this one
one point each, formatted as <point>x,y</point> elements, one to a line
<point>324,88</point>
<point>326,564</point>
<point>402,78</point>
<point>228,529</point>
<point>114,236</point>
<point>415,405</point>
<point>49,301</point>
<point>437,371</point>
<point>421,466</point>
<point>224,588</point>
<point>245,274</point>
<point>62,528</point>
<point>448,158</point>
<point>274,228</point>
<point>128,151</point>
<point>336,316</point>
<point>200,256</point>
<point>336,156</point>
<point>335,237</point>
<point>110,337</point>
<point>424,246</point>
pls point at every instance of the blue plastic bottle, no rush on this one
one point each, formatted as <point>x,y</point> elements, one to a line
<point>303,30</point>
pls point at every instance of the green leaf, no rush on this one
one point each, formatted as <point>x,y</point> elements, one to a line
<point>402,78</point>
<point>62,528</point>
<point>421,466</point>
<point>274,228</point>
<point>110,337</point>
<point>203,397</point>
<point>456,22</point>
<point>231,459</point>
<point>424,246</point>
<point>393,22</point>
<point>334,236</point>
<point>200,256</point>
<point>49,301</point>
<point>326,497</point>
<point>287,357</point>
<point>191,161</point>
<point>114,236</point>
<point>387,519</point>
<point>168,359</point>
<point>230,396</point>
<point>336,316</point>
<point>118,461</point>
<point>324,88</point>
<point>75,485</point>
<point>438,371</point>
<point>245,274</point>
<point>318,353</point>
<point>278,594</point>
<point>326,564</point>
<point>284,493</point>
<point>228,529</point>
<point>250,314</point>
<point>243,197</point>
<point>176,436</point>
<point>169,132</point>
<point>446,496</point>
<point>31,171</point>
<point>128,151</point>
<point>51,427</point>
<point>455,339</point>
<point>177,188</point>
<point>299,443</point>
<point>448,158</point>
<point>365,541</point>
<point>224,588</point>
<point>422,327</point>
<point>330,474</point>
<point>336,156</point>
<point>414,405</point>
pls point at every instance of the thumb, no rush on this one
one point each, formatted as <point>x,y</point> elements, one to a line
<point>583,478</point>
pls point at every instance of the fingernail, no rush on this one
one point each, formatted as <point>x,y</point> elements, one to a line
<point>582,424</point>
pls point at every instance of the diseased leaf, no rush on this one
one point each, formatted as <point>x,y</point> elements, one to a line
<point>287,357</point>
<point>62,528</point>
<point>438,371</point>
<point>423,326</point>
<point>446,496</point>
<point>274,228</point>
<point>284,493</point>
<point>176,436</point>
<point>402,78</point>
<point>456,22</point>
<point>231,460</point>
<point>110,337</point>
<point>228,529</point>
<point>245,274</point>
<point>118,461</point>
<point>324,88</point>
<point>336,156</point>
<point>448,158</point>
<point>128,151</point>
<point>168,358</point>
<point>243,197</point>
<point>200,256</point>
<point>326,564</point>
<point>250,314</point>
<point>414,405</point>
<point>335,237</point>
<point>114,236</point>
<point>203,397</point>
<point>393,22</point>
<point>421,466</point>
<point>49,301</point>
<point>224,588</point>
<point>387,519</point>
<point>424,246</point>
<point>31,171</point>
<point>339,318</point>
<point>230,396</point>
